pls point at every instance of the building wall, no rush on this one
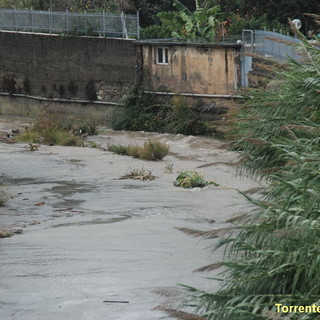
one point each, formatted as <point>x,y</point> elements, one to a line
<point>193,69</point>
<point>61,66</point>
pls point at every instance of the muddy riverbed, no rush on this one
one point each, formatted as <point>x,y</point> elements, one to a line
<point>94,246</point>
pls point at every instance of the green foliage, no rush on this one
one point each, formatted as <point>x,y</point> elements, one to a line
<point>118,149</point>
<point>3,197</point>
<point>238,23</point>
<point>152,150</point>
<point>184,119</point>
<point>274,255</point>
<point>187,25</point>
<point>53,127</point>
<point>155,32</point>
<point>290,111</point>
<point>143,112</point>
<point>191,179</point>
<point>50,136</point>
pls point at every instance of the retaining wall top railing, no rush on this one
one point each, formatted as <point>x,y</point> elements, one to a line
<point>72,23</point>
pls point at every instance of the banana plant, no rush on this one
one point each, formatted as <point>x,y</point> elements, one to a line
<point>200,24</point>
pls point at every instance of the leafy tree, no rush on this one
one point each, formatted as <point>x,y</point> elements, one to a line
<point>273,10</point>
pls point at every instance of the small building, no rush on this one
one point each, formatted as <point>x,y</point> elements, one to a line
<point>190,68</point>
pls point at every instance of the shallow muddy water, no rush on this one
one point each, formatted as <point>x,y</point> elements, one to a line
<point>90,237</point>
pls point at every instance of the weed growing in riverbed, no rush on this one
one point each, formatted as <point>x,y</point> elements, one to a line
<point>152,150</point>
<point>192,179</point>
<point>3,198</point>
<point>53,136</point>
<point>53,127</point>
<point>139,174</point>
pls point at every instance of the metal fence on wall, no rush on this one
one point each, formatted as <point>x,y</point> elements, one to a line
<point>267,44</point>
<point>72,23</point>
<point>270,44</point>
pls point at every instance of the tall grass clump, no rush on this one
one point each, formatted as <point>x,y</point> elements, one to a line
<point>3,197</point>
<point>54,127</point>
<point>274,256</point>
<point>152,150</point>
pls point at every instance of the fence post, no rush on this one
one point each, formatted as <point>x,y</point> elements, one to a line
<point>67,17</point>
<point>32,20</point>
<point>85,22</point>
<point>14,18</point>
<point>104,23</point>
<point>123,23</point>
<point>138,24</point>
<point>49,16</point>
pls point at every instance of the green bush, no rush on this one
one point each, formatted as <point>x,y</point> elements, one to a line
<point>238,23</point>
<point>191,179</point>
<point>155,32</point>
<point>184,119</point>
<point>144,112</point>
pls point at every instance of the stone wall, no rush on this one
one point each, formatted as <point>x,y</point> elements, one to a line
<point>66,67</point>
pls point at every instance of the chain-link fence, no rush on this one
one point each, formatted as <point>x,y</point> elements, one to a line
<point>71,23</point>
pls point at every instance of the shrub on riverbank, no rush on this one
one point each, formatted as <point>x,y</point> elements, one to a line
<point>274,257</point>
<point>143,112</point>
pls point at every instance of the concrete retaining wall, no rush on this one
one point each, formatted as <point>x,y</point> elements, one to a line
<point>61,66</point>
<point>92,113</point>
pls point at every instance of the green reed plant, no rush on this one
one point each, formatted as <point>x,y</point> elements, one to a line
<point>273,256</point>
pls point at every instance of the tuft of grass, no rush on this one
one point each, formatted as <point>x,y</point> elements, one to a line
<point>192,179</point>
<point>168,168</point>
<point>118,149</point>
<point>152,150</point>
<point>3,197</point>
<point>139,174</point>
